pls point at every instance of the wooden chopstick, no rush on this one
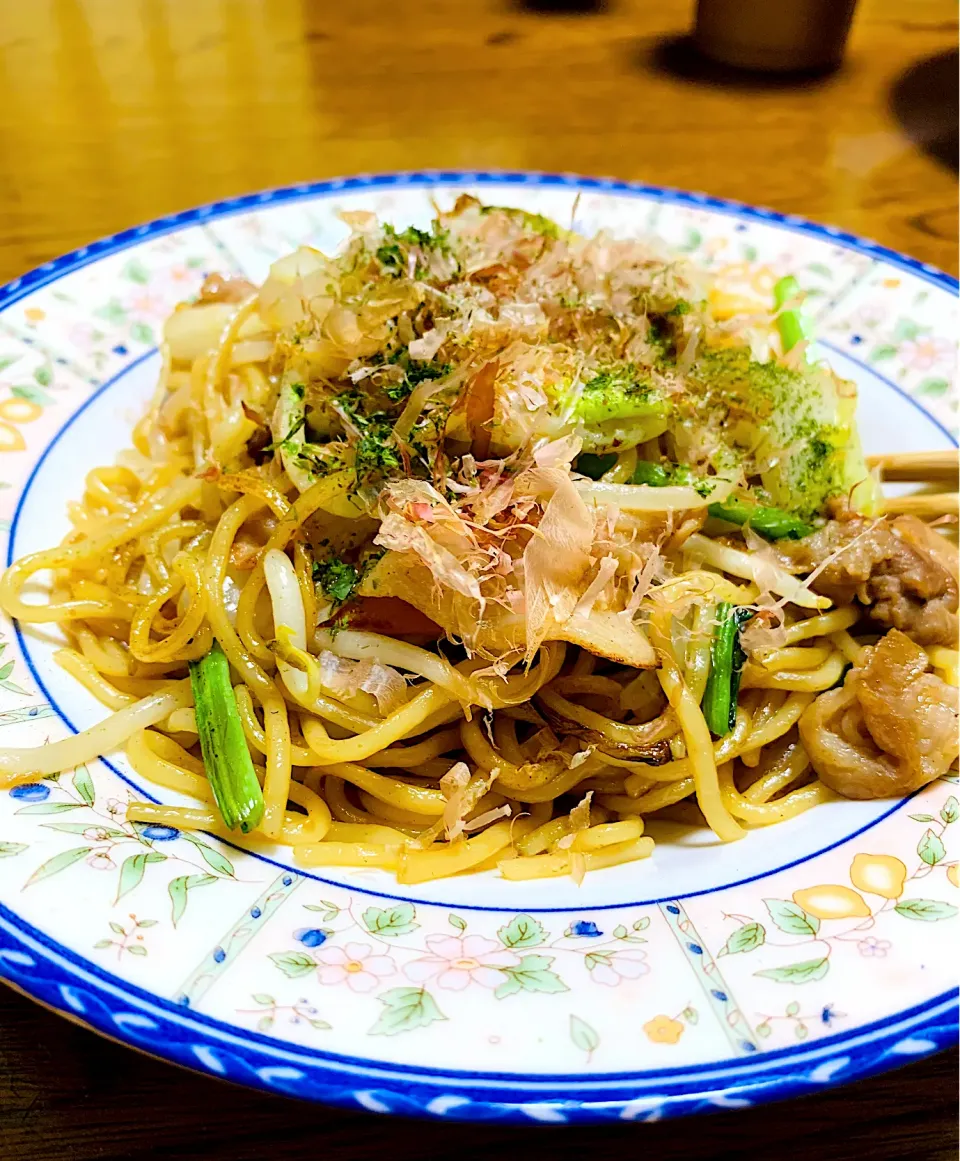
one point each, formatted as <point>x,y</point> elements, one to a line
<point>935,466</point>
<point>923,504</point>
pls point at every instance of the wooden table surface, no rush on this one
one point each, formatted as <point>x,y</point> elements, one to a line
<point>116,111</point>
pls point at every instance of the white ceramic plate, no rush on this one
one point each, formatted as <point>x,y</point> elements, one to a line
<point>688,981</point>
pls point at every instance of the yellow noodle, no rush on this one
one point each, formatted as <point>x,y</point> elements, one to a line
<point>765,813</point>
<point>419,800</point>
<point>825,676</point>
<point>451,859</point>
<point>607,834</point>
<point>379,737</point>
<point>551,866</point>
<point>820,626</point>
<point>411,757</point>
<point>348,854</point>
<point>89,676</point>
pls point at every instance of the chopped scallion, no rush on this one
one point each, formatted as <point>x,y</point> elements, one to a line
<point>226,757</point>
<point>726,663</point>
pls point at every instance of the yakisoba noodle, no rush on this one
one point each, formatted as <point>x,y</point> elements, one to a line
<point>513,541</point>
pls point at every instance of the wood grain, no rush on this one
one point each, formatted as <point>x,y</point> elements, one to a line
<point>114,112</point>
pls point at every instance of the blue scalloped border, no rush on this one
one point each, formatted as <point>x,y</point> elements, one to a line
<point>70,984</point>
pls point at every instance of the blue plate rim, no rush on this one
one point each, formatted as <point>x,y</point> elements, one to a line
<point>926,1028</point>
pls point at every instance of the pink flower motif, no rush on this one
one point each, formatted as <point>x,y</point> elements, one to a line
<point>96,834</point>
<point>100,861</point>
<point>925,351</point>
<point>870,315</point>
<point>870,946</point>
<point>151,305</point>
<point>609,968</point>
<point>355,965</point>
<point>456,961</point>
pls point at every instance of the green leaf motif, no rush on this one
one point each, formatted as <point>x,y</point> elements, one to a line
<point>6,670</point>
<point>522,931</point>
<point>923,818</point>
<point>620,932</point>
<point>926,910</point>
<point>819,268</point>
<point>791,918</point>
<point>405,1009</point>
<point>102,943</point>
<point>594,959</point>
<point>31,394</point>
<point>931,848</point>
<point>801,1031</point>
<point>11,686</point>
<point>177,890</point>
<point>112,311</point>
<point>764,1029</point>
<point>691,1015</point>
<point>749,253</point>
<point>265,1023</point>
<point>294,963</point>
<point>212,857</point>
<point>136,949</point>
<point>906,328</point>
<point>745,938</point>
<point>792,1008</point>
<point>117,928</point>
<point>693,240</point>
<point>263,998</point>
<point>391,922</point>
<point>798,973</point>
<point>8,361</point>
<point>50,808</point>
<point>8,850</point>
<point>141,332</point>
<point>83,784</point>
<point>146,923</point>
<point>132,871</point>
<point>83,827</point>
<point>532,974</point>
<point>878,354</point>
<point>950,811</point>
<point>933,386</point>
<point>457,922</point>
<point>136,272</point>
<point>43,375</point>
<point>57,863</point>
<point>642,924</point>
<point>587,1039</point>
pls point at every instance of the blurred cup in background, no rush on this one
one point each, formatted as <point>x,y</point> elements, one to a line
<point>774,35</point>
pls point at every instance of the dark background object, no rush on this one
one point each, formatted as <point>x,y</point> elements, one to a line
<point>782,36</point>
<point>68,1095</point>
<point>925,102</point>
